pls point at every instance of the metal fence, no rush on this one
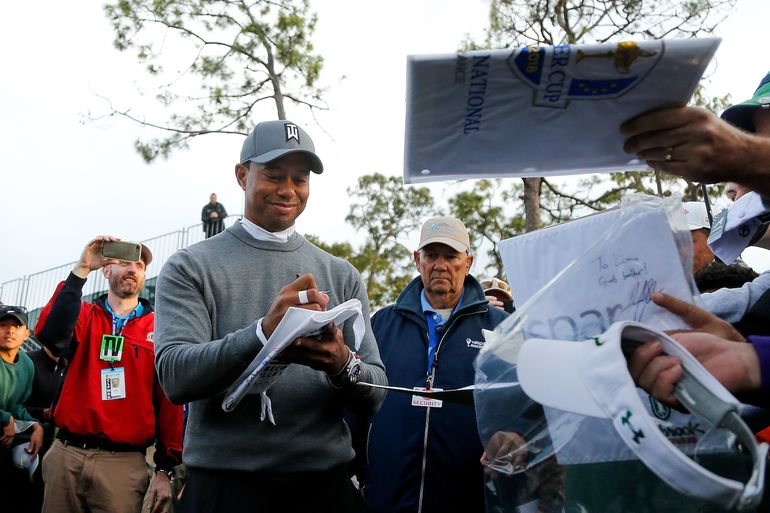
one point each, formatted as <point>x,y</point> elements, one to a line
<point>33,291</point>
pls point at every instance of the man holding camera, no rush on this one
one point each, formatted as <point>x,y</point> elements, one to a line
<point>111,406</point>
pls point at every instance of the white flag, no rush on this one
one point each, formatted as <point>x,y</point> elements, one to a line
<point>540,111</point>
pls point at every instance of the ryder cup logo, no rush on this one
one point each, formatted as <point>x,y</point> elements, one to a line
<point>559,74</point>
<point>292,132</point>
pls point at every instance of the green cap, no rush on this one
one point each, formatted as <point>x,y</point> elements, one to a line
<point>742,114</point>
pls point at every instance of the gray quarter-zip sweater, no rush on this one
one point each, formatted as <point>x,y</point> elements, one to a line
<point>209,297</point>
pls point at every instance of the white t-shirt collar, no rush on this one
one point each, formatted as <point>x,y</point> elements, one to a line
<point>260,233</point>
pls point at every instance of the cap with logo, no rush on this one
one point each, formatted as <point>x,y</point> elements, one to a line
<point>740,225</point>
<point>273,139</point>
<point>445,230</point>
<point>496,285</point>
<point>17,312</point>
<point>594,380</point>
<point>742,114</point>
<point>696,215</point>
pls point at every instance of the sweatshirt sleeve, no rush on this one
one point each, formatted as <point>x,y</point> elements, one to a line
<point>56,326</point>
<point>169,429</point>
<point>190,365</point>
<point>361,400</point>
<point>20,412</point>
<point>732,304</point>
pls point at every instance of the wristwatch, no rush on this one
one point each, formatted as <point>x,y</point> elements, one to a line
<point>170,473</point>
<point>353,368</point>
<point>350,373</point>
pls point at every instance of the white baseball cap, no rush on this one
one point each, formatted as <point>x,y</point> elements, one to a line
<point>23,460</point>
<point>445,230</point>
<point>595,381</point>
<point>696,215</point>
<point>737,227</point>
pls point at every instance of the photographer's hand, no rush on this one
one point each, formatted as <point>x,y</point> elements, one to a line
<point>91,258</point>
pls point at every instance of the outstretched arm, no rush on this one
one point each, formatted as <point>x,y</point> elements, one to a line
<point>694,143</point>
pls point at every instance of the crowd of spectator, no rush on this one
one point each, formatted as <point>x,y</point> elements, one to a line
<point>103,408</point>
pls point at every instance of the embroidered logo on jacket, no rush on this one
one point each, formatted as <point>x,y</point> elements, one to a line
<point>151,336</point>
<point>475,344</point>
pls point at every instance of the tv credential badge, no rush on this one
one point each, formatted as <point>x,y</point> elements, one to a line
<point>113,380</point>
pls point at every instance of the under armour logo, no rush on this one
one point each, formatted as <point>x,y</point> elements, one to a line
<point>626,420</point>
<point>292,132</point>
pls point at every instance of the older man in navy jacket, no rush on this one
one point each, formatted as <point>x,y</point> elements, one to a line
<point>423,455</point>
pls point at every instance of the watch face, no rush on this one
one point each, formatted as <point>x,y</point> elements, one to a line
<point>355,372</point>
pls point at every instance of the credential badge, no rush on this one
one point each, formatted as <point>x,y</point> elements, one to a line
<point>292,132</point>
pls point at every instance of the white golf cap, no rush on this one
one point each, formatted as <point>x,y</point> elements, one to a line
<point>594,381</point>
<point>445,230</point>
<point>23,460</point>
<point>696,215</point>
<point>737,227</point>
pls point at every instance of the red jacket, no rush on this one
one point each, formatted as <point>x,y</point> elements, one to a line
<point>73,329</point>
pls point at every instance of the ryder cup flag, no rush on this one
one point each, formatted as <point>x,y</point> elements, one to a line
<point>540,111</point>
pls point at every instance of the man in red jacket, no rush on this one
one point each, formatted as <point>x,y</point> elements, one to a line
<point>111,406</point>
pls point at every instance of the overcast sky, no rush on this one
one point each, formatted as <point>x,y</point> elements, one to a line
<point>66,179</point>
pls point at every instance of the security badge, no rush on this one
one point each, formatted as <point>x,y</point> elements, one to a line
<point>113,383</point>
<point>113,380</point>
<point>426,402</point>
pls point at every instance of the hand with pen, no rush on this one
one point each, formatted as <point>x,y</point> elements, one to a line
<point>325,352</point>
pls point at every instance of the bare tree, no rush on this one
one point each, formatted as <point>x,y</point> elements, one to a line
<point>515,23</point>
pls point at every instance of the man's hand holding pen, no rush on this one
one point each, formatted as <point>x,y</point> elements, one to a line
<point>301,293</point>
<point>325,352</point>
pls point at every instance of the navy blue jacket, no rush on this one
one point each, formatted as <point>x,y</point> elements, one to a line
<point>427,459</point>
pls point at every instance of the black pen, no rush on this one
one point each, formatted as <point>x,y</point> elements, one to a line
<point>321,291</point>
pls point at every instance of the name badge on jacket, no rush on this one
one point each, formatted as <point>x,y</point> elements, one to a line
<point>113,384</point>
<point>426,402</point>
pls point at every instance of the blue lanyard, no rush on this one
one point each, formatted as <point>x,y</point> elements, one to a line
<point>436,326</point>
<point>118,322</point>
<point>433,337</point>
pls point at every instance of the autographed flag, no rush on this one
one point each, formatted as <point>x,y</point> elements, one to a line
<point>540,110</point>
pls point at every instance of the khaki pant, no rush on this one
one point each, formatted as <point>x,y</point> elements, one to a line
<point>92,480</point>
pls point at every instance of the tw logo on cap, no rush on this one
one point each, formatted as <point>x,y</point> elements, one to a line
<point>292,132</point>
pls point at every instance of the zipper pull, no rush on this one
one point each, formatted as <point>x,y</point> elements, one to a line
<point>136,351</point>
